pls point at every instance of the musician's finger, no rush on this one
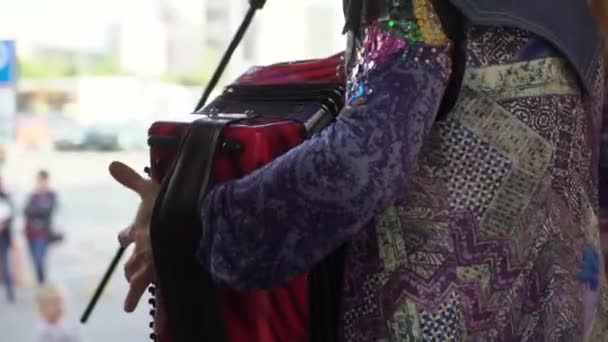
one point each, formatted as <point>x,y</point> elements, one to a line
<point>142,218</point>
<point>132,267</point>
<point>126,176</point>
<point>126,237</point>
<point>139,283</point>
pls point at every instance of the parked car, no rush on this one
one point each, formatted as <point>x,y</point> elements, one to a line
<point>74,137</point>
<point>128,136</point>
<point>133,136</point>
<point>102,137</point>
<point>67,135</point>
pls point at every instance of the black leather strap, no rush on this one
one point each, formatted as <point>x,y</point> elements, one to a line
<point>352,13</point>
<point>189,295</point>
<point>454,26</point>
<point>325,297</point>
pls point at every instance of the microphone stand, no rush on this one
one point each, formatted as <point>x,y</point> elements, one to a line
<point>102,285</point>
<point>254,5</point>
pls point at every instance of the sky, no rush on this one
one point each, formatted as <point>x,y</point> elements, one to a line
<point>85,8</point>
<point>64,12</point>
<point>73,23</point>
<point>84,24</point>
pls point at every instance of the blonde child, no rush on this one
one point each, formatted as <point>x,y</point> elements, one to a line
<point>54,325</point>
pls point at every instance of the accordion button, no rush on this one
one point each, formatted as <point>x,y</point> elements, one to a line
<point>152,301</point>
<point>231,146</point>
<point>152,289</point>
<point>152,312</point>
<point>151,325</point>
<point>153,337</point>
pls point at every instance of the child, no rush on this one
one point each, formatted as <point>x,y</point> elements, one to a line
<point>54,326</point>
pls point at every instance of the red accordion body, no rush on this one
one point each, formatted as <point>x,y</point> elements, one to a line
<point>282,313</point>
<point>285,308</point>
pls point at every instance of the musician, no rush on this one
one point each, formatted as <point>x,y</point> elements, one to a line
<point>474,219</point>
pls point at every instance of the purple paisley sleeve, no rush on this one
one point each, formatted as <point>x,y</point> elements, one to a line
<point>277,222</point>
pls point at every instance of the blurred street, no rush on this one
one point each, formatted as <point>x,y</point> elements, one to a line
<point>82,79</point>
<point>92,210</point>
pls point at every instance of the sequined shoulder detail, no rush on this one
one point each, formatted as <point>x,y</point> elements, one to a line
<point>411,31</point>
<point>416,21</point>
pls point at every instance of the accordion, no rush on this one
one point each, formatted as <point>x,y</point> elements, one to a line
<point>256,119</point>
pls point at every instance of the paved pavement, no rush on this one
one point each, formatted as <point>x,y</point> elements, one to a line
<point>93,209</point>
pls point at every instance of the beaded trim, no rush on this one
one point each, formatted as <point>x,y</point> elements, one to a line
<point>412,30</point>
<point>415,21</point>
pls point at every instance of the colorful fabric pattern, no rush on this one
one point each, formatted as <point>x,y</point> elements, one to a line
<point>480,226</point>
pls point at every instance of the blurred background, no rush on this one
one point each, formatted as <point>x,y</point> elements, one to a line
<point>80,82</point>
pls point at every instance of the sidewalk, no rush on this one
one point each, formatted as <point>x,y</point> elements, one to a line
<point>16,319</point>
<point>108,322</point>
<point>87,196</point>
<point>77,267</point>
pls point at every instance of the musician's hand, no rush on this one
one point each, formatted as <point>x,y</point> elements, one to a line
<point>139,269</point>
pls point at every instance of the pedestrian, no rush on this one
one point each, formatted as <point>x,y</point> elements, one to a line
<point>6,237</point>
<point>55,325</point>
<point>39,210</point>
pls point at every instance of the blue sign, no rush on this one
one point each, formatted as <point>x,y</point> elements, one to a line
<point>8,63</point>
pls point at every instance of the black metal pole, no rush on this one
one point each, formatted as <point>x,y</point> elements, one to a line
<point>254,6</point>
<point>102,285</point>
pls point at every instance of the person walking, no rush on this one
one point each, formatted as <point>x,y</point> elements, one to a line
<point>39,210</point>
<point>6,237</point>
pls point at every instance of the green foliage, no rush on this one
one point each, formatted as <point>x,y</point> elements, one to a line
<point>208,64</point>
<point>62,66</point>
<point>51,67</point>
<point>106,67</point>
<point>46,68</point>
<point>189,80</point>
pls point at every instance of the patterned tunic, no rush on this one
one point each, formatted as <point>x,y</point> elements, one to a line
<point>603,176</point>
<point>481,225</point>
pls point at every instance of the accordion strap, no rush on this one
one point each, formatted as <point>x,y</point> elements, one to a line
<point>190,296</point>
